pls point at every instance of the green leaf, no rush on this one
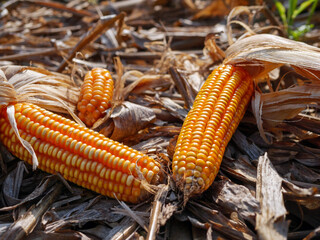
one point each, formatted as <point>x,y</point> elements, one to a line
<point>292,7</point>
<point>300,31</point>
<point>282,12</point>
<point>311,11</point>
<point>303,6</point>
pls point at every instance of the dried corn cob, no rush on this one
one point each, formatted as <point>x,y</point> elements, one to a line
<point>81,155</point>
<point>95,95</point>
<point>208,127</point>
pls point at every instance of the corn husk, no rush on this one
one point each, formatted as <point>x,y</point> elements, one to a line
<point>28,84</point>
<point>261,54</point>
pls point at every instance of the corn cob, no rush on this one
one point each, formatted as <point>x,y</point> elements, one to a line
<point>95,95</point>
<point>208,127</point>
<point>79,154</point>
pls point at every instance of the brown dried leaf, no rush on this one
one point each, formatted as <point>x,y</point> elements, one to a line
<point>313,234</point>
<point>246,145</point>
<point>304,174</point>
<point>281,152</point>
<point>174,108</point>
<point>11,189</point>
<point>80,214</point>
<point>122,231</point>
<point>237,12</point>
<point>143,82</point>
<point>11,185</point>
<point>310,157</point>
<point>301,134</point>
<point>225,226</point>
<point>183,86</point>
<point>27,222</point>
<point>294,190</point>
<point>279,155</point>
<point>212,49</point>
<point>236,198</point>
<point>156,218</point>
<point>129,118</point>
<point>65,234</point>
<point>273,108</point>
<point>287,103</point>
<point>240,168</point>
<point>219,8</point>
<point>309,123</point>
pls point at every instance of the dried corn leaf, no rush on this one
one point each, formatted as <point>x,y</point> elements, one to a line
<point>12,187</point>
<point>270,223</point>
<point>26,223</point>
<point>314,233</point>
<point>65,234</point>
<point>219,8</point>
<point>212,49</point>
<point>310,157</point>
<point>271,109</point>
<point>174,108</point>
<point>122,231</point>
<point>246,145</point>
<point>240,168</point>
<point>142,82</point>
<point>79,214</point>
<point>264,52</point>
<point>220,223</point>
<point>129,118</point>
<point>284,151</point>
<point>304,174</point>
<point>299,192</point>
<point>236,198</point>
<point>54,91</point>
<point>287,103</point>
<point>306,122</point>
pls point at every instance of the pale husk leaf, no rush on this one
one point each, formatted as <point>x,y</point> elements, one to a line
<point>34,85</point>
<point>25,144</point>
<point>270,51</point>
<point>260,54</point>
<point>52,91</point>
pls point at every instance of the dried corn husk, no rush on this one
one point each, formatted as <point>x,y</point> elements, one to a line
<point>268,52</point>
<point>53,91</point>
<point>260,54</point>
<point>27,84</point>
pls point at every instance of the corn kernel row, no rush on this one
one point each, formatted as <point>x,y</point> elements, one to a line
<point>208,127</point>
<point>95,95</point>
<point>81,155</point>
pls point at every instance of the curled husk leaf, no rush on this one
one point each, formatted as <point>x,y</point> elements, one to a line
<point>260,54</point>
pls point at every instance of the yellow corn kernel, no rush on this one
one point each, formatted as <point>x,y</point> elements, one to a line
<point>95,95</point>
<point>208,127</point>
<point>90,165</point>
